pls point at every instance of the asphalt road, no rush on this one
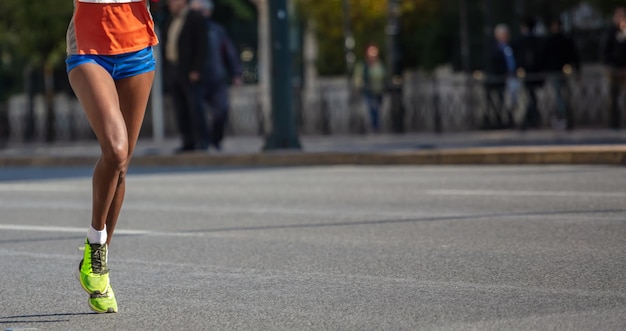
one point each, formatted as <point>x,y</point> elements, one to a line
<point>324,248</point>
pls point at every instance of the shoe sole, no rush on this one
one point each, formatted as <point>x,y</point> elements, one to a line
<point>95,310</point>
<point>108,310</point>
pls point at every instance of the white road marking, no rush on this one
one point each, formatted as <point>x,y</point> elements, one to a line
<point>511,193</point>
<point>44,188</point>
<point>64,229</point>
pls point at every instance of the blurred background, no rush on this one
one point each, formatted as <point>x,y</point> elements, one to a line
<point>435,54</point>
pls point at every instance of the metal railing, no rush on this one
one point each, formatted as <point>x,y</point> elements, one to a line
<point>440,103</point>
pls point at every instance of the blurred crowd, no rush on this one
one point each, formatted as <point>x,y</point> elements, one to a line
<point>200,63</point>
<point>532,61</point>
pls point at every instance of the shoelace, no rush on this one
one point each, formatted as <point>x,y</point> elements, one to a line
<point>98,258</point>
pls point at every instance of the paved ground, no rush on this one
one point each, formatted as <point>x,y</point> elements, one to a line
<point>324,248</point>
<point>481,147</point>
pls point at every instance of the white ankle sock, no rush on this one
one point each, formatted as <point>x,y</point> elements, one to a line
<point>97,237</point>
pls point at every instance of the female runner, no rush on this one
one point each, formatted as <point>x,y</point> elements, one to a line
<point>110,67</point>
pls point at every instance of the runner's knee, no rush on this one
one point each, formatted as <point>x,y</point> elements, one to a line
<point>115,154</point>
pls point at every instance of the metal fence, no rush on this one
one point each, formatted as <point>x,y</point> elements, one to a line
<point>448,103</point>
<point>431,103</point>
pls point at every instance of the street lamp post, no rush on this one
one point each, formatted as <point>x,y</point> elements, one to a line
<point>487,27</point>
<point>349,41</point>
<point>465,54</point>
<point>393,66</point>
<point>355,119</point>
<point>283,134</point>
<point>464,33</point>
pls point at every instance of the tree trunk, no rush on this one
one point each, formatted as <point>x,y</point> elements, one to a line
<point>393,67</point>
<point>29,125</point>
<point>263,54</point>
<point>48,78</point>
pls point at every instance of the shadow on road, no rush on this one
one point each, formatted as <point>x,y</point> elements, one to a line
<point>39,318</point>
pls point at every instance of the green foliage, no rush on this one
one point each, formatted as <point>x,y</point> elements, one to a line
<point>421,36</point>
<point>368,21</point>
<point>606,6</point>
<point>426,30</point>
<point>430,29</point>
<point>35,29</point>
<point>544,8</point>
<point>32,35</point>
<point>240,8</point>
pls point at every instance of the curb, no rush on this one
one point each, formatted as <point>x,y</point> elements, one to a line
<point>545,155</point>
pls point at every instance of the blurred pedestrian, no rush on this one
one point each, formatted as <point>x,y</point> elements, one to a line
<point>185,47</point>
<point>222,67</point>
<point>110,66</point>
<point>614,57</point>
<point>369,77</point>
<point>501,79</point>
<point>560,58</point>
<point>528,48</point>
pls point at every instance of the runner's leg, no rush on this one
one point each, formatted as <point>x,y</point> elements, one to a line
<point>133,96</point>
<point>97,93</point>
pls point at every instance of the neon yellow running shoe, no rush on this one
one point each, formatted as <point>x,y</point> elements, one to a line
<point>93,273</point>
<point>103,303</point>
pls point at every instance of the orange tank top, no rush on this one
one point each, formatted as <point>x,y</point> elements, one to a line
<point>110,27</point>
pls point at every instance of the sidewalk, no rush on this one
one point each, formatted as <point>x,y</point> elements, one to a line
<point>483,147</point>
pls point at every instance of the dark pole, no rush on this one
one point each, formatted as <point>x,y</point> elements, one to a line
<point>349,42</point>
<point>350,57</point>
<point>519,15</point>
<point>393,66</point>
<point>488,27</point>
<point>283,135</point>
<point>29,130</point>
<point>49,100</point>
<point>465,59</point>
<point>464,33</point>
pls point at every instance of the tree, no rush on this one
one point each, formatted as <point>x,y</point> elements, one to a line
<point>36,30</point>
<point>425,29</point>
<point>368,18</point>
<point>241,8</point>
<point>430,29</point>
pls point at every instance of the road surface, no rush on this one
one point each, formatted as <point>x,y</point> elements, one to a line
<point>324,248</point>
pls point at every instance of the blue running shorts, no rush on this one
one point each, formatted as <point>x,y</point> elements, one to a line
<point>119,66</point>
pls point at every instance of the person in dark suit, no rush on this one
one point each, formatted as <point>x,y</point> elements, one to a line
<point>528,48</point>
<point>501,67</point>
<point>185,47</point>
<point>560,57</point>
<point>222,67</point>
